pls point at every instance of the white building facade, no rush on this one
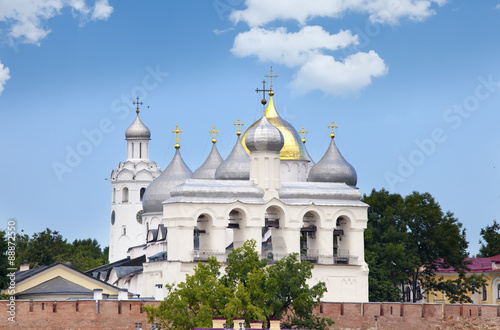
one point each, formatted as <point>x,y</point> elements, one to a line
<point>267,189</point>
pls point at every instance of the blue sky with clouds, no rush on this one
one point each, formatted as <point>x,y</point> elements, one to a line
<point>414,86</point>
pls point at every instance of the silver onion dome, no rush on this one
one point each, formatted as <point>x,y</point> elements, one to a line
<point>264,137</point>
<point>236,166</point>
<point>137,130</point>
<point>208,168</point>
<point>333,168</point>
<point>159,190</point>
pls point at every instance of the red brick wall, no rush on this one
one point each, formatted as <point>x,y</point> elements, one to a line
<point>123,315</point>
<point>42,315</point>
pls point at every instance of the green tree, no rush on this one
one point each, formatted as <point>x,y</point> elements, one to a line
<point>408,240</point>
<point>384,244</point>
<point>48,247</point>
<point>87,254</point>
<point>42,249</point>
<point>4,280</point>
<point>250,289</point>
<point>491,236</point>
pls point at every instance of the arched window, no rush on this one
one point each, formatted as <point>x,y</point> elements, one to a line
<point>485,293</point>
<point>141,193</point>
<point>498,291</point>
<point>125,195</point>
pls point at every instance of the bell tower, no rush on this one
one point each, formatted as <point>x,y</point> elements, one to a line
<point>128,184</point>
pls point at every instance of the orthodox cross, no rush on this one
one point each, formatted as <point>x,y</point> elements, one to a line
<point>332,127</point>
<point>303,132</point>
<point>177,131</point>
<point>137,104</point>
<point>214,132</point>
<point>263,90</point>
<point>239,124</point>
<point>271,76</point>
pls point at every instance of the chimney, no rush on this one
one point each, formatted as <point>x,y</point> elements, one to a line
<point>122,294</point>
<point>24,267</point>
<point>274,324</point>
<point>97,294</point>
<point>218,323</point>
<point>159,292</point>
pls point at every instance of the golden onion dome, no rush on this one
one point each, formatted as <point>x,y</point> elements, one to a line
<point>293,147</point>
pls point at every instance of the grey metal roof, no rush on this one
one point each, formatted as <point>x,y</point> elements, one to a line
<point>264,137</point>
<point>320,193</point>
<point>216,191</point>
<point>333,168</point>
<point>57,285</point>
<point>236,166</point>
<point>159,190</point>
<point>126,270</point>
<point>137,131</point>
<point>208,168</point>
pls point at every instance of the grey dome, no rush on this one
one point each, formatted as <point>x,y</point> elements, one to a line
<point>236,166</point>
<point>264,137</point>
<point>333,168</point>
<point>137,131</point>
<point>159,190</point>
<point>208,168</point>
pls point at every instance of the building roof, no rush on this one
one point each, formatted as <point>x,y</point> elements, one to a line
<point>59,279</point>
<point>479,265</point>
<point>57,285</point>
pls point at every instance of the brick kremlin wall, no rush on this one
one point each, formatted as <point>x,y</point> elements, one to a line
<point>114,314</point>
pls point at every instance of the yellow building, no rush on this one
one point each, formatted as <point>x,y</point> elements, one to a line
<point>488,294</point>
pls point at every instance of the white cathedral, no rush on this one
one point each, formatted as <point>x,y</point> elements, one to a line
<point>267,189</point>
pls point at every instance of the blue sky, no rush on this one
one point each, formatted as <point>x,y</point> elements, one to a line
<point>414,87</point>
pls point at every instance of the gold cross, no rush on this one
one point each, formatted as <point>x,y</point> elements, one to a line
<point>271,76</point>
<point>332,127</point>
<point>239,124</point>
<point>214,132</point>
<point>177,131</point>
<point>137,104</point>
<point>303,132</point>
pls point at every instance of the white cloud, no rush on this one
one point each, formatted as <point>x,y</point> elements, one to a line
<point>261,12</point>
<point>305,50</point>
<point>4,76</point>
<point>333,77</point>
<point>497,6</point>
<point>218,32</point>
<point>290,49</point>
<point>26,20</point>
<point>102,10</point>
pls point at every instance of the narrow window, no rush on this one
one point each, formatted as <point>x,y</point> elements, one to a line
<point>498,291</point>
<point>485,293</point>
<point>133,156</point>
<point>140,150</point>
<point>124,230</point>
<point>125,195</point>
<point>141,193</point>
<point>114,195</point>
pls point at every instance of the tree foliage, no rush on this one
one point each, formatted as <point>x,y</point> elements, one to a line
<point>407,240</point>
<point>491,236</point>
<point>4,280</point>
<point>48,247</point>
<point>249,289</point>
